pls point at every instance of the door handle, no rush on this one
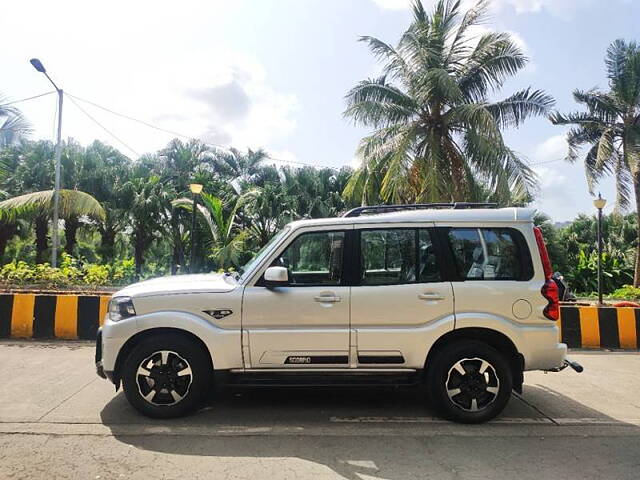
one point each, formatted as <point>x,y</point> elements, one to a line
<point>430,296</point>
<point>327,298</point>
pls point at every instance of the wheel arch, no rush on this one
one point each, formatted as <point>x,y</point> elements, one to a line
<point>494,338</point>
<point>136,339</point>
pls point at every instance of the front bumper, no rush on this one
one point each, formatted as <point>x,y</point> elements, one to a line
<point>98,356</point>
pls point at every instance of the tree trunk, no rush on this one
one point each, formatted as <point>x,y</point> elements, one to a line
<point>7,230</point>
<point>138,252</point>
<point>636,188</point>
<point>108,244</point>
<point>177,258</point>
<point>42,242</point>
<point>71,226</point>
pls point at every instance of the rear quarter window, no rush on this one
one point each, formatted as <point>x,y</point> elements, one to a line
<point>490,254</point>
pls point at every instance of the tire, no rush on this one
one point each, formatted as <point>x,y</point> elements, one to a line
<point>166,376</point>
<point>480,396</point>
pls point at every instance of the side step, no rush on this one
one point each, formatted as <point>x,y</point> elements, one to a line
<point>319,379</point>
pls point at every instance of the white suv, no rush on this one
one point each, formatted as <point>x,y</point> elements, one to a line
<point>458,296</point>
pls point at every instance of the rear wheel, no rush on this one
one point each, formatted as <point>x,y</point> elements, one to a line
<point>166,376</point>
<point>470,382</point>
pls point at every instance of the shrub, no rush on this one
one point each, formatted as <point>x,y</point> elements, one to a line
<point>627,292</point>
<point>71,272</point>
<point>583,277</point>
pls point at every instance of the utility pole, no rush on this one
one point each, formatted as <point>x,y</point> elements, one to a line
<point>37,64</point>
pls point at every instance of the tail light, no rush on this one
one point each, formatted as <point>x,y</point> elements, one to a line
<point>550,289</point>
<point>551,293</point>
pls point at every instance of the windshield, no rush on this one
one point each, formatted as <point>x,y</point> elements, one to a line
<point>263,252</point>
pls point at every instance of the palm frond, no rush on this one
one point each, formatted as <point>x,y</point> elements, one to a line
<point>514,110</point>
<point>71,203</point>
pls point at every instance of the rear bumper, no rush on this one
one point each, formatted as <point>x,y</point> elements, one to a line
<point>547,358</point>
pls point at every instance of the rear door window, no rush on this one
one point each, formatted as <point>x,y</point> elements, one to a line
<point>397,256</point>
<point>490,254</point>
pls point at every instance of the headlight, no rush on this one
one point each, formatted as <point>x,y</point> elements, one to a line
<point>120,308</point>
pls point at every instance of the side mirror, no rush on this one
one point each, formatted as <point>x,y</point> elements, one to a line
<point>276,277</point>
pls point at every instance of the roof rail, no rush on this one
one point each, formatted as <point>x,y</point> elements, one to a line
<point>374,209</point>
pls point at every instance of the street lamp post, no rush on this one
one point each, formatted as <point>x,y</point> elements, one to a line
<point>196,189</point>
<point>599,203</point>
<point>37,64</point>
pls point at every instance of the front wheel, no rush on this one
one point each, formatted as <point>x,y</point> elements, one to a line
<point>166,376</point>
<point>470,382</point>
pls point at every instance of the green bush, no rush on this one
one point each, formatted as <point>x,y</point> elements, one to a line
<point>583,277</point>
<point>627,292</point>
<point>71,272</point>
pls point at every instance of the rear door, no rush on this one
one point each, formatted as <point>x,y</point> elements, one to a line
<point>400,303</point>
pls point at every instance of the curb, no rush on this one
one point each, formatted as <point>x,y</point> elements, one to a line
<point>600,327</point>
<point>28,315</point>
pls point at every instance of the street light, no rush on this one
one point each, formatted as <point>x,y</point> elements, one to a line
<point>599,203</point>
<point>37,64</point>
<point>196,189</point>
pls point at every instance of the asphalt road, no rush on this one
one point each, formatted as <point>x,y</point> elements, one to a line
<point>58,420</point>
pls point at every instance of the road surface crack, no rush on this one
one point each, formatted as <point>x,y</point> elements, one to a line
<point>66,399</point>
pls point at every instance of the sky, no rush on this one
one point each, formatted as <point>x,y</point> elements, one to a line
<point>274,73</point>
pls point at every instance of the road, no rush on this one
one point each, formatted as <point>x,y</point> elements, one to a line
<point>58,420</point>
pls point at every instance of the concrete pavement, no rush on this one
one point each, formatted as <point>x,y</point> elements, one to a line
<point>59,420</point>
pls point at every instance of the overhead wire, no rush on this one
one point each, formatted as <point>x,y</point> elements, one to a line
<point>102,126</point>
<point>13,102</point>
<point>178,134</point>
<point>165,130</point>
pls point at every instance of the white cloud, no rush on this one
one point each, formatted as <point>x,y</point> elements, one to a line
<point>167,66</point>
<point>563,190</point>
<point>559,8</point>
<point>393,4</point>
<point>564,9</point>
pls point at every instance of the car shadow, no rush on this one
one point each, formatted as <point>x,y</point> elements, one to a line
<point>356,454</point>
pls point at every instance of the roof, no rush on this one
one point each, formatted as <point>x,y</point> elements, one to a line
<point>479,215</point>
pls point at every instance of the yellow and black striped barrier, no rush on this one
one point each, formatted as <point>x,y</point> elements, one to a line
<point>28,315</point>
<point>600,327</point>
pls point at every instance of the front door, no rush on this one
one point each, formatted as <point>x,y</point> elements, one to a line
<point>306,323</point>
<point>399,304</point>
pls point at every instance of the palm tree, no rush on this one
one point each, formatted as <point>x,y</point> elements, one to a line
<point>611,129</point>
<point>227,243</point>
<point>437,136</point>
<point>242,167</point>
<point>149,198</point>
<point>13,126</point>
<point>105,173</point>
<point>39,207</point>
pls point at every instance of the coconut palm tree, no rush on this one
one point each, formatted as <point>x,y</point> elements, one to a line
<point>437,136</point>
<point>610,127</point>
<point>13,126</point>
<point>39,207</point>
